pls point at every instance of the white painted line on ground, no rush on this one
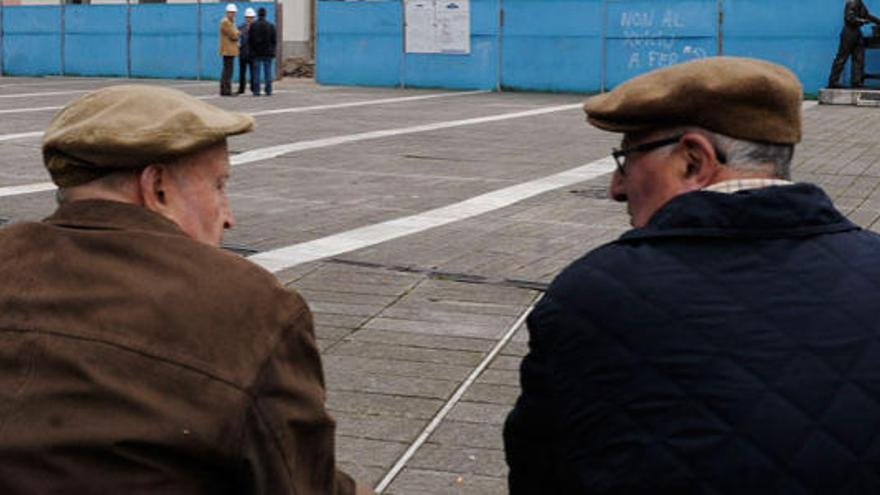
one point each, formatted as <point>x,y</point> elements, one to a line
<point>54,82</point>
<point>287,257</point>
<point>286,110</point>
<point>277,91</point>
<point>82,91</point>
<point>47,93</point>
<point>20,135</point>
<point>30,110</point>
<point>181,85</point>
<point>26,189</point>
<point>459,393</point>
<point>364,103</point>
<point>59,107</point>
<point>243,95</point>
<point>275,151</point>
<point>807,105</point>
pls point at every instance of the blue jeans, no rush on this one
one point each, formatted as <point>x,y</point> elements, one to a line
<point>263,70</point>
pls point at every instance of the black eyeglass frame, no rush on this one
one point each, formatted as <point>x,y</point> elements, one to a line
<point>620,155</point>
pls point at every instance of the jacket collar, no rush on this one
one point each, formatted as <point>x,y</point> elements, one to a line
<point>110,215</point>
<point>776,211</point>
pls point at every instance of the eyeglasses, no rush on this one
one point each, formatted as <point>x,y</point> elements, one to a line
<point>620,155</point>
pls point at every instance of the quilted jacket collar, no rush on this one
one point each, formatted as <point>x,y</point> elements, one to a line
<point>777,211</point>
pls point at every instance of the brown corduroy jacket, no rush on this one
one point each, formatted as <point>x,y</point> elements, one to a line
<point>228,38</point>
<point>136,360</point>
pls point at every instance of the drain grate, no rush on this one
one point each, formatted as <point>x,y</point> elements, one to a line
<point>240,249</point>
<point>467,278</point>
<point>594,192</point>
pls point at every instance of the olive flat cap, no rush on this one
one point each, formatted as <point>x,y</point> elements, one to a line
<point>738,97</point>
<point>131,126</point>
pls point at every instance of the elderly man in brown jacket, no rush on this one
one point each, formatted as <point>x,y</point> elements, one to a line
<point>229,35</point>
<point>136,356</point>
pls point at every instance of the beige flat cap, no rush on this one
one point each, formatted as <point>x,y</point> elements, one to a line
<point>741,98</point>
<point>131,126</point>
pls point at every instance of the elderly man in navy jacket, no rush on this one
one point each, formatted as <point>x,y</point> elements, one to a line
<point>730,342</point>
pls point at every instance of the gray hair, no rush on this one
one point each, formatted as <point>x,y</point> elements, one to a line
<point>752,156</point>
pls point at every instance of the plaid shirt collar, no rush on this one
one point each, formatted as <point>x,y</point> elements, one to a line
<point>735,185</point>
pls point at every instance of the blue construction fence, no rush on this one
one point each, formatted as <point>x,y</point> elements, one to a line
<point>135,40</point>
<point>578,45</point>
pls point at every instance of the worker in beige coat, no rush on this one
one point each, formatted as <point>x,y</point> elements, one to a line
<point>229,35</point>
<point>135,355</point>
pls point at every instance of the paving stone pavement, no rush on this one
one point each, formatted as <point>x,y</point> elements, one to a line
<point>404,323</point>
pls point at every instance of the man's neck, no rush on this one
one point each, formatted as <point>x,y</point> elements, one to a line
<point>92,191</point>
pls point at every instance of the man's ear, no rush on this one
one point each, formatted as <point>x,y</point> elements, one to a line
<point>702,164</point>
<point>153,182</point>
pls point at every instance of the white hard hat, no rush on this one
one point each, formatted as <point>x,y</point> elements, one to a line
<point>230,7</point>
<point>250,12</point>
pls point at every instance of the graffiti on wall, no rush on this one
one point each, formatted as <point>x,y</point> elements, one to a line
<point>651,39</point>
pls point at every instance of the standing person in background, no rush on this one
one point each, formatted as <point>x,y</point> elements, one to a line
<point>228,48</point>
<point>855,14</point>
<point>262,42</point>
<point>245,61</point>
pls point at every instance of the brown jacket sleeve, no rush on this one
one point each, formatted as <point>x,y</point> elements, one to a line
<point>289,435</point>
<point>229,36</point>
<point>229,30</point>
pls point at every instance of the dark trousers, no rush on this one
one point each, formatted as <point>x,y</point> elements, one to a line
<point>851,44</point>
<point>245,68</point>
<point>226,76</point>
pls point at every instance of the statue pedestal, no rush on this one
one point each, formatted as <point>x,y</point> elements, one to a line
<point>861,97</point>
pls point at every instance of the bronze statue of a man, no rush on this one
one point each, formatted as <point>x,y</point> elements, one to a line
<point>855,14</point>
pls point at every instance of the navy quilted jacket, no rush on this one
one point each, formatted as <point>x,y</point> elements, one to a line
<point>730,346</point>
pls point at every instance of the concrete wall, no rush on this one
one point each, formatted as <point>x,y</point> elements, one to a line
<point>297,28</point>
<point>579,45</point>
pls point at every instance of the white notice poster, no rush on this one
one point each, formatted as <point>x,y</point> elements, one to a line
<point>454,26</point>
<point>438,26</point>
<point>420,26</point>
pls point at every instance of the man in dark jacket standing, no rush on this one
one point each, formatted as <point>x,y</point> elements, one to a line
<point>730,342</point>
<point>262,42</point>
<point>136,356</point>
<point>855,14</point>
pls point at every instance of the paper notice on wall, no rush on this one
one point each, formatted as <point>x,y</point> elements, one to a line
<point>438,26</point>
<point>420,26</point>
<point>454,26</point>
